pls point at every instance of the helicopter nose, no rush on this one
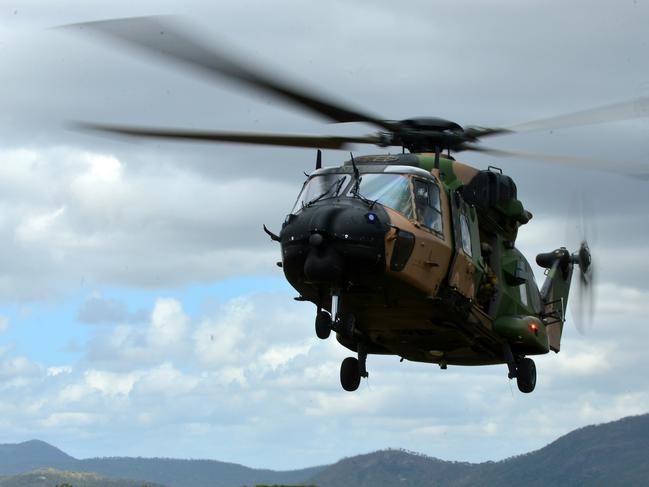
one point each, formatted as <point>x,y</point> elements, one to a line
<point>316,240</point>
<point>333,242</point>
<point>323,263</point>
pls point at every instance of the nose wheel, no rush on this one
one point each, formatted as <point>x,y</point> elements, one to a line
<point>338,321</point>
<point>323,325</point>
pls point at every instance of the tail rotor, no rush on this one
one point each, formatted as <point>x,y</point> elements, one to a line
<point>584,303</point>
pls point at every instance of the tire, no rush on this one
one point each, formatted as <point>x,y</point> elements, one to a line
<point>323,325</point>
<point>350,376</point>
<point>526,377</point>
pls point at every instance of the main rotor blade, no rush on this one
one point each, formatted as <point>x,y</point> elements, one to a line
<point>164,37</point>
<point>627,168</point>
<point>286,140</point>
<point>626,110</point>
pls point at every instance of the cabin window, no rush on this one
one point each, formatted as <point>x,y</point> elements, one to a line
<point>465,235</point>
<point>523,291</point>
<point>427,201</point>
<point>391,190</point>
<point>320,187</point>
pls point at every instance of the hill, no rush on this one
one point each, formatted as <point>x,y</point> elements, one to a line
<point>390,468</point>
<point>192,473</point>
<point>612,454</point>
<point>31,455</point>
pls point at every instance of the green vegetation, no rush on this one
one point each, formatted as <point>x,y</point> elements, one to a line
<point>48,477</point>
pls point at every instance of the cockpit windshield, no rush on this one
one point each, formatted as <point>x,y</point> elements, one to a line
<point>320,187</point>
<point>391,190</point>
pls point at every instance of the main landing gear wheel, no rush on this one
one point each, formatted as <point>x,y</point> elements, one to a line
<point>526,375</point>
<point>323,325</point>
<point>350,375</point>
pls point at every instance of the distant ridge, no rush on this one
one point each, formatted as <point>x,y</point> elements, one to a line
<point>31,455</point>
<point>611,454</point>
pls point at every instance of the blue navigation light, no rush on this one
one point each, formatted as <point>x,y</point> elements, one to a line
<point>371,217</point>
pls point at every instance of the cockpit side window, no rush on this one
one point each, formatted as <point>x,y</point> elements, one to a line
<point>427,201</point>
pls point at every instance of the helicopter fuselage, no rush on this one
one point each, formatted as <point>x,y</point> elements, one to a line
<point>393,242</point>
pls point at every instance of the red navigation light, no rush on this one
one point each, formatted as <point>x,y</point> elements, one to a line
<point>534,327</point>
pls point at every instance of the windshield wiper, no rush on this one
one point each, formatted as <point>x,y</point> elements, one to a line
<point>355,192</point>
<point>337,184</point>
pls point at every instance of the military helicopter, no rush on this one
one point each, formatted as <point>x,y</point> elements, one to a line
<point>410,254</point>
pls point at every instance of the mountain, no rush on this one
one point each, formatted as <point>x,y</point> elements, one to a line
<point>612,454</point>
<point>49,477</point>
<point>32,455</point>
<point>390,468</point>
<point>192,473</point>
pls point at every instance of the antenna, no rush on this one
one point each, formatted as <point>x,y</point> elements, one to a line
<point>357,175</point>
<point>318,160</point>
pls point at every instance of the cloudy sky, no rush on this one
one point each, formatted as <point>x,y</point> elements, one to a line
<point>141,311</point>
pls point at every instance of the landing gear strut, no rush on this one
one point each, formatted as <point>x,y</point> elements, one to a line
<point>352,369</point>
<point>340,322</point>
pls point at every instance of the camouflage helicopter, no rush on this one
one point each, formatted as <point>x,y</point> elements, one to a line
<point>410,254</point>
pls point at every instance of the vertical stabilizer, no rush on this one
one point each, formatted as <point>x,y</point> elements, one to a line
<point>554,292</point>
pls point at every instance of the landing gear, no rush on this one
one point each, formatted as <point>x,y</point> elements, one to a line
<point>522,368</point>
<point>350,376</point>
<point>352,369</point>
<point>323,325</point>
<point>343,323</point>
<point>526,375</point>
<point>340,322</point>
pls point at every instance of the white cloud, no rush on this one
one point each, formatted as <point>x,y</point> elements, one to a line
<point>165,380</point>
<point>101,221</point>
<point>168,324</point>
<point>596,410</point>
<point>622,301</point>
<point>276,379</point>
<point>109,383</point>
<point>278,356</point>
<point>222,340</point>
<point>39,227</point>
<point>54,371</point>
<point>70,419</point>
<point>586,358</point>
<point>15,369</point>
